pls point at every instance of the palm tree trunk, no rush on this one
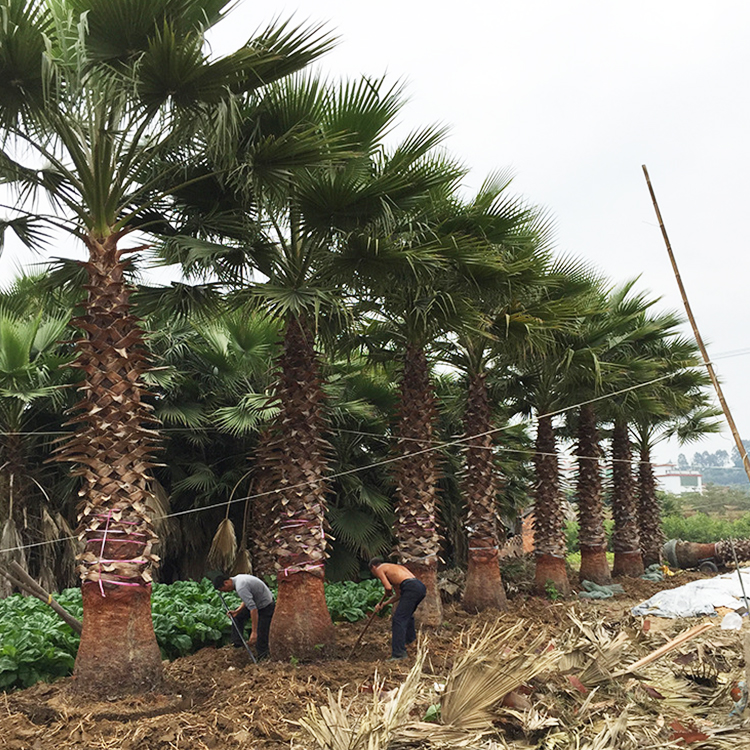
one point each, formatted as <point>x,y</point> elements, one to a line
<point>549,538</point>
<point>628,560</point>
<point>484,584</point>
<point>649,515</point>
<point>264,508</point>
<point>298,454</point>
<point>416,478</point>
<point>112,448</point>
<point>591,535</point>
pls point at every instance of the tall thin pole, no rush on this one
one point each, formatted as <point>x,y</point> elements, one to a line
<point>696,333</point>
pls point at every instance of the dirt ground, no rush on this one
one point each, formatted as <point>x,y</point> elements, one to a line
<point>218,699</point>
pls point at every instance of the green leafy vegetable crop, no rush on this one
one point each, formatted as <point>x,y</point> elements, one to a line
<point>35,644</point>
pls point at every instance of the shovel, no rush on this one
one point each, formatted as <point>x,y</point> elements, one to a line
<point>364,629</point>
<point>236,628</point>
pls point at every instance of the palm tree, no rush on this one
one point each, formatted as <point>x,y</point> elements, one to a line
<point>517,235</point>
<point>606,356</point>
<point>677,404</point>
<point>91,93</point>
<point>640,354</point>
<point>32,396</point>
<point>309,172</point>
<point>542,382</point>
<point>212,377</point>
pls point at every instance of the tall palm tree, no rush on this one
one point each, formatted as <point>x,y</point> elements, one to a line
<point>641,354</point>
<point>602,360</point>
<point>412,309</point>
<point>293,224</point>
<point>518,235</point>
<point>542,383</point>
<point>91,92</point>
<point>677,405</point>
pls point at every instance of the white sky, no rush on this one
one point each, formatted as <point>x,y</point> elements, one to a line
<point>575,96</point>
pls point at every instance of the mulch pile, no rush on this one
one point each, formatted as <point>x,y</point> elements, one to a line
<point>218,699</point>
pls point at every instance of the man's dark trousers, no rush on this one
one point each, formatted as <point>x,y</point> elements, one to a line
<point>402,625</point>
<point>264,626</point>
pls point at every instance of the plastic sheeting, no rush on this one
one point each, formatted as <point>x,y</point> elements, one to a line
<point>698,597</point>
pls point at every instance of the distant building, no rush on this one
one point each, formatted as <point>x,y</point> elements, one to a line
<point>677,481</point>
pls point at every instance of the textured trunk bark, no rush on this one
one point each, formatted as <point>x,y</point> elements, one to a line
<point>301,627</point>
<point>430,611</point>
<point>297,455</point>
<point>591,535</point>
<point>112,448</point>
<point>551,576</point>
<point>118,646</point>
<point>549,537</point>
<point>479,486</point>
<point>264,509</point>
<point>681,554</point>
<point>484,584</point>
<point>649,515</point>
<point>415,476</point>
<point>625,540</point>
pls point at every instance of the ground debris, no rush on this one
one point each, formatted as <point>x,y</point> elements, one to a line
<point>559,660</point>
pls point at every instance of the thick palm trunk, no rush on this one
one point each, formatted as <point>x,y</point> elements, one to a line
<point>591,535</point>
<point>628,560</point>
<point>264,509</point>
<point>112,448</point>
<point>649,515</point>
<point>416,482</point>
<point>549,537</point>
<point>297,453</point>
<point>681,554</point>
<point>479,486</point>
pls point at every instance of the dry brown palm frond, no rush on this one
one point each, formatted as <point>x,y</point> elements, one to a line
<point>242,562</point>
<point>223,547</point>
<point>68,548</point>
<point>591,651</point>
<point>332,727</point>
<point>11,540</point>
<point>498,662</point>
<point>50,534</point>
<point>166,527</point>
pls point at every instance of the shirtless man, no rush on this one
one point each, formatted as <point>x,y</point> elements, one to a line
<point>402,585</point>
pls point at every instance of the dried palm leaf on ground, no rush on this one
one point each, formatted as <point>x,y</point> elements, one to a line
<point>498,662</point>
<point>223,547</point>
<point>333,727</point>
<point>591,651</point>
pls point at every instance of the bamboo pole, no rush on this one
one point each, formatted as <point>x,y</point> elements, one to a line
<point>20,578</point>
<point>666,648</point>
<point>696,333</point>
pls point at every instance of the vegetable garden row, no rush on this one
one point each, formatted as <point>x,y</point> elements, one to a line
<point>188,615</point>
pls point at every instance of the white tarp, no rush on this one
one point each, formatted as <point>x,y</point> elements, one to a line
<point>698,597</point>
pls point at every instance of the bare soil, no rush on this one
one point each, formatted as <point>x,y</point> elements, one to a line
<point>217,698</point>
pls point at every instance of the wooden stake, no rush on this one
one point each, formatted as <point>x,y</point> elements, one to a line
<point>696,333</point>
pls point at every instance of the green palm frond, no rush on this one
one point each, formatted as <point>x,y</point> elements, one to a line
<point>186,415</point>
<point>24,26</point>
<point>178,301</point>
<point>31,232</point>
<point>248,416</point>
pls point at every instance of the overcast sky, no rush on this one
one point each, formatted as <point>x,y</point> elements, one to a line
<point>575,97</point>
